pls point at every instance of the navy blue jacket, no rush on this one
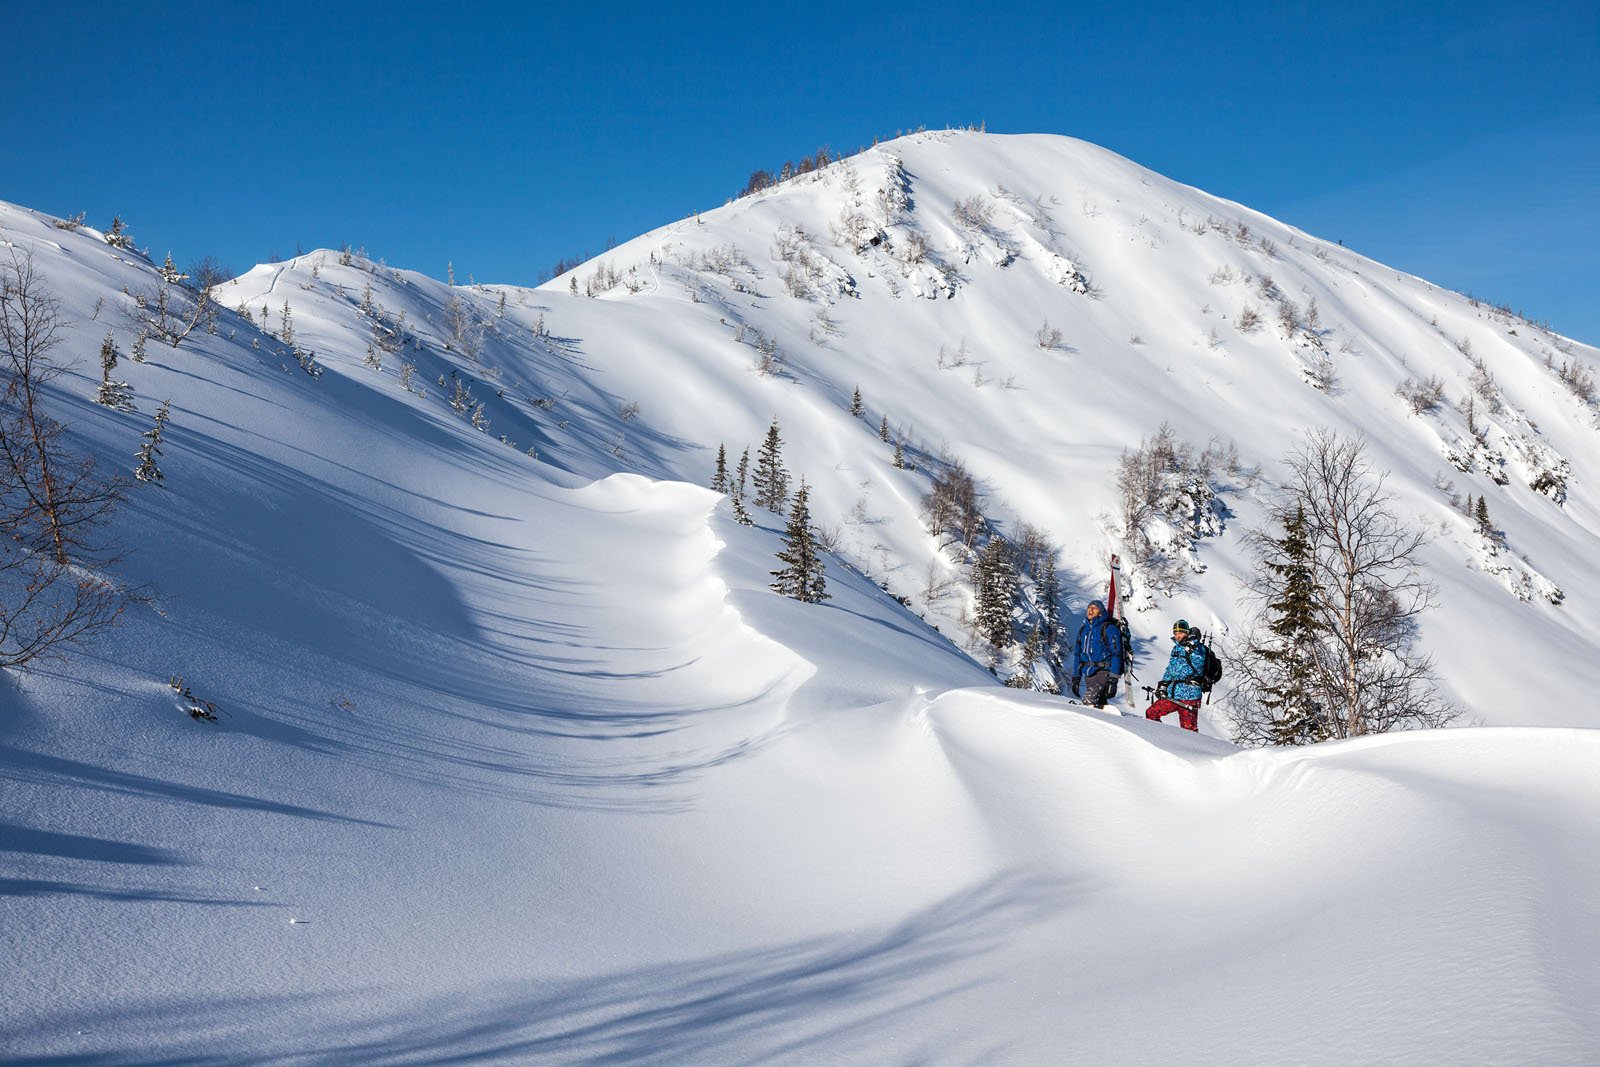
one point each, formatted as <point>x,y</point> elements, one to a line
<point>1098,646</point>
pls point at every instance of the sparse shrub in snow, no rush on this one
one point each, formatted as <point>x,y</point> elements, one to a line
<point>1485,386</point>
<point>1320,373</point>
<point>1167,504</point>
<point>1249,320</point>
<point>70,224</point>
<point>769,358</point>
<point>894,198</point>
<point>171,312</point>
<point>1064,271</point>
<point>1578,380</point>
<point>1048,337</point>
<point>1288,317</point>
<point>952,504</point>
<point>1421,396</point>
<point>973,213</point>
<point>855,231</point>
<point>914,249</point>
<point>629,411</point>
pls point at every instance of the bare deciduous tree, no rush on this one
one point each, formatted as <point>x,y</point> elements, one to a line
<point>1366,594</point>
<point>54,589</point>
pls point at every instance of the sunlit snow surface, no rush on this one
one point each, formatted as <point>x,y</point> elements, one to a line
<point>519,760</point>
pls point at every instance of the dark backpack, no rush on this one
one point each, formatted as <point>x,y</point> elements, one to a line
<point>1210,668</point>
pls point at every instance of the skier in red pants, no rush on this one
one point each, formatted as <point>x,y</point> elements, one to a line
<point>1179,689</point>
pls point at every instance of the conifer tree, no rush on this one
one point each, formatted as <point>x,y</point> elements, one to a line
<point>737,486</point>
<point>112,393</point>
<point>995,576</point>
<point>719,480</point>
<point>900,455</point>
<point>883,430</point>
<point>286,331</point>
<point>1023,677</point>
<point>1048,594</point>
<point>855,402</point>
<point>1288,686</point>
<point>771,480</point>
<point>147,471</point>
<point>1481,517</point>
<point>802,575</point>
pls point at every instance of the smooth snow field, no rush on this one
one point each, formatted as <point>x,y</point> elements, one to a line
<point>519,759</point>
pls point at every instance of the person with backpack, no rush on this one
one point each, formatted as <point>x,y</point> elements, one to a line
<point>1182,686</point>
<point>1097,656</point>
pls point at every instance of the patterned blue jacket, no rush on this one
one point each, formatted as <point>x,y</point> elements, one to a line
<point>1183,670</point>
<point>1098,642</point>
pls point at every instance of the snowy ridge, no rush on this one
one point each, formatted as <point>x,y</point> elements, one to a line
<point>519,760</point>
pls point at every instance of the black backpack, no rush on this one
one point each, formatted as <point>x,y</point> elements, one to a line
<point>1211,667</point>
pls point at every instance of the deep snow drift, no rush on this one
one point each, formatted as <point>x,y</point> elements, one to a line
<point>519,759</point>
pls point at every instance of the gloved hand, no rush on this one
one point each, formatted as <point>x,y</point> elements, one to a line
<point>1075,690</point>
<point>1161,690</point>
<point>1111,690</point>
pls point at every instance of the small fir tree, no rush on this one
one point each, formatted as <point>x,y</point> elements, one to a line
<point>286,330</point>
<point>900,455</point>
<point>719,479</point>
<point>147,471</point>
<point>1048,594</point>
<point>855,403</point>
<point>741,477</point>
<point>112,393</point>
<point>771,480</point>
<point>883,430</point>
<point>1480,516</point>
<point>802,574</point>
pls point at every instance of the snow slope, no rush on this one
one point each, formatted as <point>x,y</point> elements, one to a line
<point>519,760</point>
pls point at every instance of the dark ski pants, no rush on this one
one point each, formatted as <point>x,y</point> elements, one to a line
<point>1099,687</point>
<point>1188,712</point>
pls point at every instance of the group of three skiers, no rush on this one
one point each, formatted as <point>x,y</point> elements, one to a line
<point>1097,664</point>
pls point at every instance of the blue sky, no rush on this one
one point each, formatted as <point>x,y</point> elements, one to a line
<point>1460,142</point>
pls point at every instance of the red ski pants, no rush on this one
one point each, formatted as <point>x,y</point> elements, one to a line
<point>1188,712</point>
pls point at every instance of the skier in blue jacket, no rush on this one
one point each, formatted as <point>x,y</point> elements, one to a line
<point>1180,690</point>
<point>1097,656</point>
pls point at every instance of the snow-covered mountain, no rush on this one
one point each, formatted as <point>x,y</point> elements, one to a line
<point>519,759</point>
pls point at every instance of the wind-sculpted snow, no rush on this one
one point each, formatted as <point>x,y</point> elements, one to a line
<point>519,759</point>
